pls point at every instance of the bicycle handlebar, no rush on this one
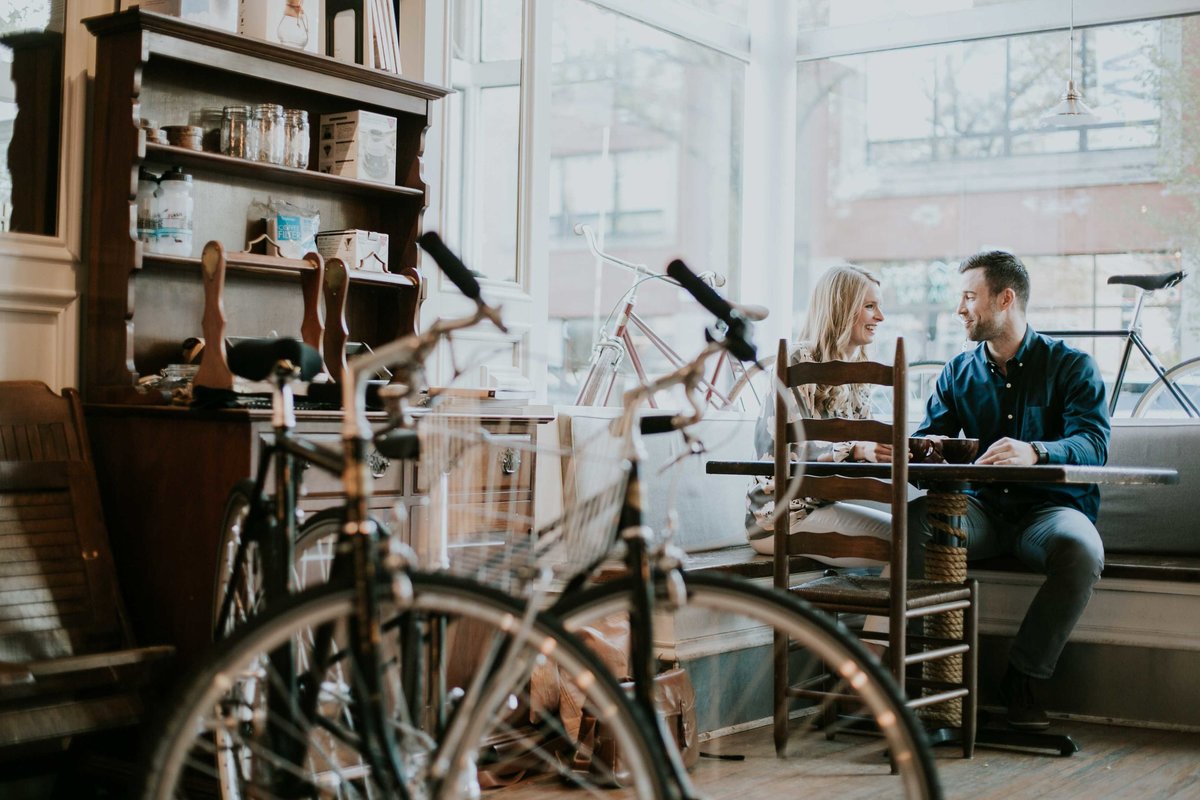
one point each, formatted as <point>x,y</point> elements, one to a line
<point>412,350</point>
<point>736,339</point>
<point>711,277</point>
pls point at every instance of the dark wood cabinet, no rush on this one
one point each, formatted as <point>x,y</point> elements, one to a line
<point>164,471</point>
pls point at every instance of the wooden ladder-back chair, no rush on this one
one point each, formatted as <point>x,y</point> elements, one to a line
<point>946,683</point>
<point>67,660</point>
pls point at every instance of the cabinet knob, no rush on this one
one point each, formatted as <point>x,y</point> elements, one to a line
<point>378,464</point>
<point>510,461</point>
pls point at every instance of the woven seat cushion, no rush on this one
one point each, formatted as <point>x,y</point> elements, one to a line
<point>862,590</point>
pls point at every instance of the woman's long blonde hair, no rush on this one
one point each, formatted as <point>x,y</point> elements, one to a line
<point>836,300</point>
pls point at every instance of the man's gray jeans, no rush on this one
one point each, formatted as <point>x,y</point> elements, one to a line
<point>1058,542</point>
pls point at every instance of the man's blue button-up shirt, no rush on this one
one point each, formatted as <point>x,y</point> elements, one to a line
<point>1052,393</point>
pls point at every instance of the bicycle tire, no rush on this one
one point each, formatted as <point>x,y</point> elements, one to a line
<point>743,611</point>
<point>223,712</point>
<point>1156,399</point>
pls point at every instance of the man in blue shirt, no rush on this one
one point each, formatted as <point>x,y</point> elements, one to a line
<point>1029,399</point>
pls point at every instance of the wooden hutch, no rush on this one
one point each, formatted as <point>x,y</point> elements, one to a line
<point>165,470</point>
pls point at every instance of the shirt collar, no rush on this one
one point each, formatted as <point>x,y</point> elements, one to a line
<point>1027,342</point>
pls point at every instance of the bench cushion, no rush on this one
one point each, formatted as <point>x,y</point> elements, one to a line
<point>1153,519</point>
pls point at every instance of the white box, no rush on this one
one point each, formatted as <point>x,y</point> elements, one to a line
<point>358,144</point>
<point>293,23</point>
<point>221,14</point>
<point>362,250</point>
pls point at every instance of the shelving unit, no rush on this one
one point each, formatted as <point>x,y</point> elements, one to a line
<point>142,306</point>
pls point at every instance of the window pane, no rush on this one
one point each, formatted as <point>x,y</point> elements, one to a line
<point>501,32</point>
<point>496,154</point>
<point>834,13</point>
<point>735,11</point>
<point>31,58</point>
<point>911,160</point>
<point>646,137</point>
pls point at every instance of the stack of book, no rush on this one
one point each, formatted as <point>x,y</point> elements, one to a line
<point>364,32</point>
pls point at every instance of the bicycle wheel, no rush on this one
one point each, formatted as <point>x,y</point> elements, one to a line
<point>239,728</point>
<point>1158,402</point>
<point>748,392</point>
<point>722,636</point>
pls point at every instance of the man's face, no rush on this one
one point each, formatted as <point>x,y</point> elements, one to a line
<point>978,307</point>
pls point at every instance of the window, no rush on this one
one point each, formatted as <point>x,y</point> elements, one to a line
<point>912,159</point>
<point>31,67</point>
<point>646,140</point>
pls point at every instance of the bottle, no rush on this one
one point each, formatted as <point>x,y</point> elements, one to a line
<point>175,208</point>
<point>148,221</point>
<point>293,25</point>
<point>296,138</point>
<point>267,125</point>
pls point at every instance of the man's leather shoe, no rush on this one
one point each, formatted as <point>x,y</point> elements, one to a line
<point>1024,711</point>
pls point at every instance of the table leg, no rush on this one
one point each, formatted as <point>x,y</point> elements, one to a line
<point>946,561</point>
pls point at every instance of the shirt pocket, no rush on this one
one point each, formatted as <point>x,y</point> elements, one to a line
<point>1033,428</point>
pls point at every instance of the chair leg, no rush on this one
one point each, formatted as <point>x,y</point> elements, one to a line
<point>971,671</point>
<point>781,687</point>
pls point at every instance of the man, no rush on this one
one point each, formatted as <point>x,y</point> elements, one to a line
<point>1029,399</point>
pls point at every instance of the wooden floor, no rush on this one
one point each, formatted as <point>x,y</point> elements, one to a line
<point>1114,762</point>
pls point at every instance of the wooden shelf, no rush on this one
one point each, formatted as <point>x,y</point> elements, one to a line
<point>170,155</point>
<point>254,263</point>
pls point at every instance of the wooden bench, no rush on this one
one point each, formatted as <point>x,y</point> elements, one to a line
<point>67,661</point>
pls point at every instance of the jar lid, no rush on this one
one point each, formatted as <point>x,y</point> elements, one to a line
<point>228,110</point>
<point>270,109</point>
<point>296,113</point>
<point>176,174</point>
<point>146,175</point>
<point>148,123</point>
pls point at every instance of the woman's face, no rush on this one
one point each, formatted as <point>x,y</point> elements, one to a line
<point>862,330</point>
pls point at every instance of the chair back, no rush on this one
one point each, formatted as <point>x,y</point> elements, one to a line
<point>892,491</point>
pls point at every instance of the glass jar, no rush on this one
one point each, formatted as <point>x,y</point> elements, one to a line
<point>238,139</point>
<point>296,141</point>
<point>210,121</point>
<point>175,211</point>
<point>267,121</point>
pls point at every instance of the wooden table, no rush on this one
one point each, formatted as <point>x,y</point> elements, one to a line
<point>947,505</point>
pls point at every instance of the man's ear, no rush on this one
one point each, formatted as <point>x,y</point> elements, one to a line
<point>1007,298</point>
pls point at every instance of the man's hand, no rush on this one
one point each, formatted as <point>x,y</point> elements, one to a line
<point>1009,451</point>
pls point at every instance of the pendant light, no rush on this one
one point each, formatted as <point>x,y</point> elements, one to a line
<point>1070,110</point>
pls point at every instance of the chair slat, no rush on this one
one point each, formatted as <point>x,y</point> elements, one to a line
<point>846,430</point>
<point>836,487</point>
<point>837,373</point>
<point>839,545</point>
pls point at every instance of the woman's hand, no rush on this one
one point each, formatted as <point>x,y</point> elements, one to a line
<point>873,452</point>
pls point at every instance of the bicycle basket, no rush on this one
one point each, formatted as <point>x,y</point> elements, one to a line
<point>479,520</point>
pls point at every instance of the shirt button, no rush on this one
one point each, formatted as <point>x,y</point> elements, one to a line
<point>1008,386</point>
<point>1006,491</point>
<point>1010,416</point>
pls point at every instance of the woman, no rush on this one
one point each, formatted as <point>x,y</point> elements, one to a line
<point>841,322</point>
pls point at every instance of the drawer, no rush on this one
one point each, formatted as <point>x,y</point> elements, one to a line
<point>503,464</point>
<point>320,485</point>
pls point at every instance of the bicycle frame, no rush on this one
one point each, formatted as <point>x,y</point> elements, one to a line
<point>1133,338</point>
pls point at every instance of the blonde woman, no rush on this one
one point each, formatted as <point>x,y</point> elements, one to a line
<point>842,318</point>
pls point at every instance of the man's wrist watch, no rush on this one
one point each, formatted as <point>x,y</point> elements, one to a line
<point>1043,455</point>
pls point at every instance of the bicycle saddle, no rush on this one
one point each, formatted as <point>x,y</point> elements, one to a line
<point>1149,282</point>
<point>255,358</point>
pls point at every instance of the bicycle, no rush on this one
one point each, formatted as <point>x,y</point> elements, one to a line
<point>654,592</point>
<point>338,690</point>
<point>724,386</point>
<point>1174,388</point>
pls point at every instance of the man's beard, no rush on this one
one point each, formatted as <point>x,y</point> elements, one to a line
<point>983,331</point>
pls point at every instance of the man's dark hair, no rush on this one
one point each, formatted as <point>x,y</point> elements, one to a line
<point>1002,270</point>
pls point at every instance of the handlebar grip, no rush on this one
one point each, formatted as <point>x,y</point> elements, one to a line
<point>400,444</point>
<point>450,264</point>
<point>656,423</point>
<point>701,291</point>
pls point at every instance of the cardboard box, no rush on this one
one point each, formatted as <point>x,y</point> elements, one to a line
<point>221,14</point>
<point>358,144</point>
<point>362,250</point>
<point>292,23</point>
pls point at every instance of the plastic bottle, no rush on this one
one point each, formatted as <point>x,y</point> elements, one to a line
<point>175,209</point>
<point>148,219</point>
